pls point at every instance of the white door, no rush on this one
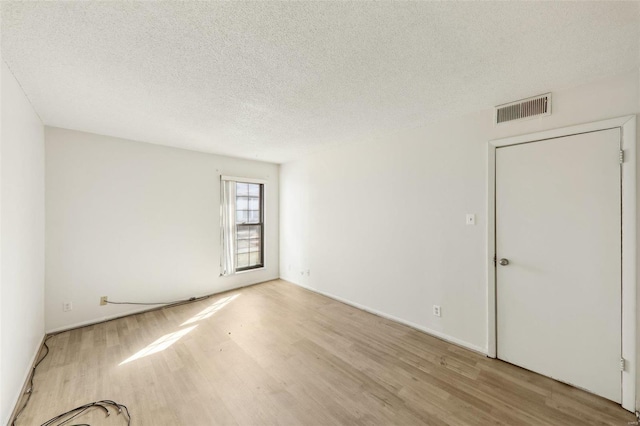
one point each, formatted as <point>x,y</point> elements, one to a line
<point>558,224</point>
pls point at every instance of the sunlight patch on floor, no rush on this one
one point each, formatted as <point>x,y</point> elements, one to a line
<point>206,313</point>
<point>159,345</point>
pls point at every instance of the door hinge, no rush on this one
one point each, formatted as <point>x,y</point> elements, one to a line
<point>621,156</point>
<point>622,364</point>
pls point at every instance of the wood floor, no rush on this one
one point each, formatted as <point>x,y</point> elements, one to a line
<point>277,354</point>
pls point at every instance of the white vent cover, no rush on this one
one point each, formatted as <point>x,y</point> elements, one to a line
<point>535,106</point>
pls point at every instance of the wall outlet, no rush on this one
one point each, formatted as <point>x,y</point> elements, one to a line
<point>308,272</point>
<point>67,306</point>
<point>436,310</point>
<point>103,300</point>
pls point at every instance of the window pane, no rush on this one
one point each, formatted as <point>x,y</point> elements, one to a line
<point>242,246</point>
<point>254,216</point>
<point>254,189</point>
<point>254,203</point>
<point>255,232</point>
<point>249,216</point>
<point>242,203</point>
<point>242,216</point>
<point>255,258</point>
<point>243,261</point>
<point>254,244</point>
<point>243,232</point>
<point>242,189</point>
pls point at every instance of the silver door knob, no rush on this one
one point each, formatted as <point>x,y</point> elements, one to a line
<point>504,262</point>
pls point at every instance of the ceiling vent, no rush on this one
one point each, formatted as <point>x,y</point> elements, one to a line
<point>535,106</point>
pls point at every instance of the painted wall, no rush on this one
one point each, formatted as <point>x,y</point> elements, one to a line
<point>138,222</point>
<point>22,240</point>
<point>380,223</point>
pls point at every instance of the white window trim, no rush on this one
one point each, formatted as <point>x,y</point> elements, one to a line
<point>262,268</point>
<point>243,179</point>
<point>263,182</point>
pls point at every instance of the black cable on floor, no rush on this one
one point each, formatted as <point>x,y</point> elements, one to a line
<point>103,404</point>
<point>29,391</point>
<point>85,407</point>
<point>75,412</point>
<point>175,302</point>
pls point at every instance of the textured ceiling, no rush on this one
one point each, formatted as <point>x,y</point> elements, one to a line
<point>275,80</point>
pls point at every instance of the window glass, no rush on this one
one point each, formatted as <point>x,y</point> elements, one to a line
<point>242,233</point>
<point>243,246</point>
<point>242,189</point>
<point>254,232</point>
<point>242,203</point>
<point>243,261</point>
<point>242,216</point>
<point>254,189</point>
<point>254,203</point>
<point>249,226</point>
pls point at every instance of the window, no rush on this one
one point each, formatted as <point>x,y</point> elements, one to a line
<point>242,225</point>
<point>249,226</point>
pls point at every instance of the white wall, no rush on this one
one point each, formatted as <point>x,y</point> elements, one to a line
<point>22,240</point>
<point>138,222</point>
<point>381,223</point>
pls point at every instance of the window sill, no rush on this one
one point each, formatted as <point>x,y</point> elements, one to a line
<point>250,270</point>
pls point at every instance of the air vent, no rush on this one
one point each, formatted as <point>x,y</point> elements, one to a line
<point>526,108</point>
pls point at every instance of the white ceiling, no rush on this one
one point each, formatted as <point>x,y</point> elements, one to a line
<point>275,80</point>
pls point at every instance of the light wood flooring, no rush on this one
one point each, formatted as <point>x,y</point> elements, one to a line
<point>278,354</point>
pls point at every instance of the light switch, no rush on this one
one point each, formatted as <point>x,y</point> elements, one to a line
<point>471,219</point>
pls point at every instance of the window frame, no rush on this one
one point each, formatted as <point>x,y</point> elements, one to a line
<point>260,223</point>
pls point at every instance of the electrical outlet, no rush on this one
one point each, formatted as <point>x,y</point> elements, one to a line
<point>67,306</point>
<point>308,272</point>
<point>436,311</point>
<point>103,300</point>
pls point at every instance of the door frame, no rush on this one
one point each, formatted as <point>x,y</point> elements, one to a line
<point>627,126</point>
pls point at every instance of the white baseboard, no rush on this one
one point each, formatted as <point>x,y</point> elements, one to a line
<point>25,380</point>
<point>439,335</point>
<point>102,319</point>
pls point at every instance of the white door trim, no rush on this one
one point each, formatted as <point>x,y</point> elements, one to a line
<point>627,127</point>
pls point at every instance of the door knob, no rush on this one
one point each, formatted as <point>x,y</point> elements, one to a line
<point>504,262</point>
